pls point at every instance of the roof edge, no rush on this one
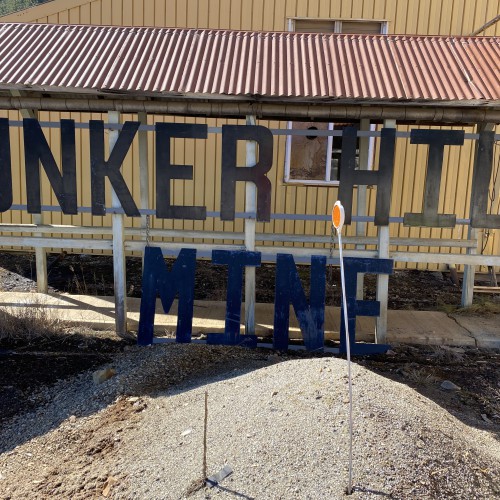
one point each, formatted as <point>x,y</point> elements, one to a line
<point>5,20</point>
<point>263,110</point>
<point>37,92</point>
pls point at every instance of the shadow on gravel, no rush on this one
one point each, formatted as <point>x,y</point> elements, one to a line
<point>358,489</point>
<point>31,365</point>
<point>236,494</point>
<point>475,374</point>
<point>30,390</point>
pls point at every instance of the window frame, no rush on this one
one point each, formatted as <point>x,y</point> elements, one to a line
<point>290,23</point>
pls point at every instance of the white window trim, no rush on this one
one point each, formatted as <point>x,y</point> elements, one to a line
<point>328,166</point>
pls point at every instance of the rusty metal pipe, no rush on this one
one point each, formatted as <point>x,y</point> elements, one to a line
<point>263,110</point>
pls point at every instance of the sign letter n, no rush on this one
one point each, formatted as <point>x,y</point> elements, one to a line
<point>157,279</point>
<point>37,151</point>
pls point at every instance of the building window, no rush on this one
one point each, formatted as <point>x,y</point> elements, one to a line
<point>353,26</point>
<point>316,159</point>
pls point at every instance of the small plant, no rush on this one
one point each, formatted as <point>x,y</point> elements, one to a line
<point>482,306</point>
<point>419,376</point>
<point>28,321</point>
<point>447,355</point>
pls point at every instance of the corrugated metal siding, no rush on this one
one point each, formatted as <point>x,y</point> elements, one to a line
<point>234,63</point>
<point>422,17</point>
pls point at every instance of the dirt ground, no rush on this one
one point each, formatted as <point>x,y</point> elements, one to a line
<point>29,364</point>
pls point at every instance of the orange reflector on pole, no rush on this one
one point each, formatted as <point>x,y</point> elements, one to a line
<point>338,216</point>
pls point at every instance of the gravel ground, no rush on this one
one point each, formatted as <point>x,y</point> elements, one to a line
<point>279,422</point>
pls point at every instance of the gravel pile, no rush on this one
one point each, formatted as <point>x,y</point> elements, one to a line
<point>280,423</point>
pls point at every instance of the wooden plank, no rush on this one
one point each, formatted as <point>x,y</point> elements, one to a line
<point>469,270</point>
<point>40,252</point>
<point>437,258</point>
<point>50,229</point>
<point>34,242</point>
<point>42,285</point>
<point>382,288</point>
<point>487,289</point>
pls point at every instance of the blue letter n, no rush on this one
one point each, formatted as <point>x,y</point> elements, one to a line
<point>289,289</point>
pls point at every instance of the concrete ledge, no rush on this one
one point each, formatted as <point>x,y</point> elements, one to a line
<point>416,327</point>
<point>486,330</point>
<point>427,327</point>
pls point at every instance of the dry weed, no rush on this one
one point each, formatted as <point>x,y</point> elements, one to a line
<point>419,376</point>
<point>447,355</point>
<point>481,306</point>
<point>29,320</point>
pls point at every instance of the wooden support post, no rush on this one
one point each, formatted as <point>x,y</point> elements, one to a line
<point>364,159</point>
<point>383,279</point>
<point>119,268</point>
<point>40,253</point>
<point>250,225</point>
<point>382,287</point>
<point>42,282</point>
<point>470,270</point>
<point>143,167</point>
<point>469,273</point>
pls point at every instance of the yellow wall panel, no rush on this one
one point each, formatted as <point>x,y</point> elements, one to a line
<point>95,13</point>
<point>456,17</point>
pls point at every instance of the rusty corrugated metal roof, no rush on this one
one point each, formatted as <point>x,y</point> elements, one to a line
<point>263,65</point>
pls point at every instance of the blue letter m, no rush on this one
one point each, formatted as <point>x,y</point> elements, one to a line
<point>157,279</point>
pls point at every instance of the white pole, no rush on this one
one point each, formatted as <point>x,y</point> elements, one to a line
<point>338,222</point>
<point>144,176</point>
<point>362,191</point>
<point>383,279</point>
<point>119,274</point>
<point>143,167</point>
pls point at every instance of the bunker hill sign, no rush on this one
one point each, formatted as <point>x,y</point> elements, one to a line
<point>179,280</point>
<point>63,181</point>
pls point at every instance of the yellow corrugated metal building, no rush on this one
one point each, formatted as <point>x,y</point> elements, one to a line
<point>425,17</point>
